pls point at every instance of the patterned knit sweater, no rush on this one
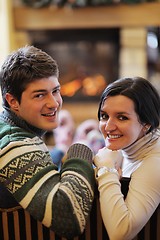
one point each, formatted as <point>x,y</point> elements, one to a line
<point>60,200</point>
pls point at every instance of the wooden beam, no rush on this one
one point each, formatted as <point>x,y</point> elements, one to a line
<point>118,15</point>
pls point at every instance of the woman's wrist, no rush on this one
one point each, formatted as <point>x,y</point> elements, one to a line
<point>105,169</point>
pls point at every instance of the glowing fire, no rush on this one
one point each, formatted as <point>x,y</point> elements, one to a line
<point>90,86</point>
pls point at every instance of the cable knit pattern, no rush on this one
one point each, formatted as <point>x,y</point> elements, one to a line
<point>62,201</point>
<point>78,150</point>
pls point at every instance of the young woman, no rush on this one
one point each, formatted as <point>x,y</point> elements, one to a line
<point>129,116</point>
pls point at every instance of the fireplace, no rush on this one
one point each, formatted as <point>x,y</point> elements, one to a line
<point>88,59</point>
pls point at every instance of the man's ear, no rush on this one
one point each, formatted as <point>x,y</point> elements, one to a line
<point>12,101</point>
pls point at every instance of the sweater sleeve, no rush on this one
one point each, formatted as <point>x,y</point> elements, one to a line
<point>60,200</point>
<point>123,219</point>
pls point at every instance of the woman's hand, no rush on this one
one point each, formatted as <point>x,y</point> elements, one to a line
<point>108,158</point>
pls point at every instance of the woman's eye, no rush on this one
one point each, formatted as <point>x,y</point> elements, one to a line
<point>104,116</point>
<point>122,118</point>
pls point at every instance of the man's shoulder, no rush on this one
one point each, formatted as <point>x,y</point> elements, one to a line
<point>10,134</point>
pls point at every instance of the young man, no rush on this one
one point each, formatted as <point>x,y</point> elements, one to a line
<point>28,178</point>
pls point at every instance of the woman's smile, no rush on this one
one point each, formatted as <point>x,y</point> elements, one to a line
<point>119,122</point>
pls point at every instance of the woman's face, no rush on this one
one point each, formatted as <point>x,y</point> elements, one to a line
<point>119,123</point>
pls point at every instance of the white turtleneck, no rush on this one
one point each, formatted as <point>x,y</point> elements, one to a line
<point>123,219</point>
<point>134,155</point>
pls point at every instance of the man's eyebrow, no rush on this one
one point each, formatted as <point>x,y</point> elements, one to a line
<point>44,90</point>
<point>57,87</point>
<point>39,90</point>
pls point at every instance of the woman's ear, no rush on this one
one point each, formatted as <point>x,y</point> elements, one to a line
<point>12,101</point>
<point>146,127</point>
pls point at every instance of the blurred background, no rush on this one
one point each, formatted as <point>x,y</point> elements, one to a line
<point>94,42</point>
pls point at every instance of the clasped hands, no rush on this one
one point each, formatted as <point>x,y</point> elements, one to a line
<point>109,158</point>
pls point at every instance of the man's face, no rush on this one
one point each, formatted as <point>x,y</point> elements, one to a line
<point>40,103</point>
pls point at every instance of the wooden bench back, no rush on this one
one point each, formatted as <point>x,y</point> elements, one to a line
<point>17,224</point>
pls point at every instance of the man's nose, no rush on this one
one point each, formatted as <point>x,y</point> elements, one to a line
<point>52,102</point>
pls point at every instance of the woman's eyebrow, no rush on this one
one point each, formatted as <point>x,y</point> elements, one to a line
<point>126,113</point>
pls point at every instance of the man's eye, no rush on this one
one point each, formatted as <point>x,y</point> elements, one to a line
<point>56,91</point>
<point>39,95</point>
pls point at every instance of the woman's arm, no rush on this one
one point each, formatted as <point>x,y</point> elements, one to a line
<point>123,219</point>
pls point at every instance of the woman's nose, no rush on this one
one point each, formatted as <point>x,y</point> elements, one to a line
<point>110,125</point>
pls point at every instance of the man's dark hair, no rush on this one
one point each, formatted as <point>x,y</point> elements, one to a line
<point>22,67</point>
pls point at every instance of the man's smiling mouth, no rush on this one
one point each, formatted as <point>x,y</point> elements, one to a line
<point>49,114</point>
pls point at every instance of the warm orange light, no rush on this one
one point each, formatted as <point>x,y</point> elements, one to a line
<point>70,89</point>
<point>91,86</point>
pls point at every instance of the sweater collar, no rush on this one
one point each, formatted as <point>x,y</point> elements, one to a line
<point>140,148</point>
<point>10,117</point>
